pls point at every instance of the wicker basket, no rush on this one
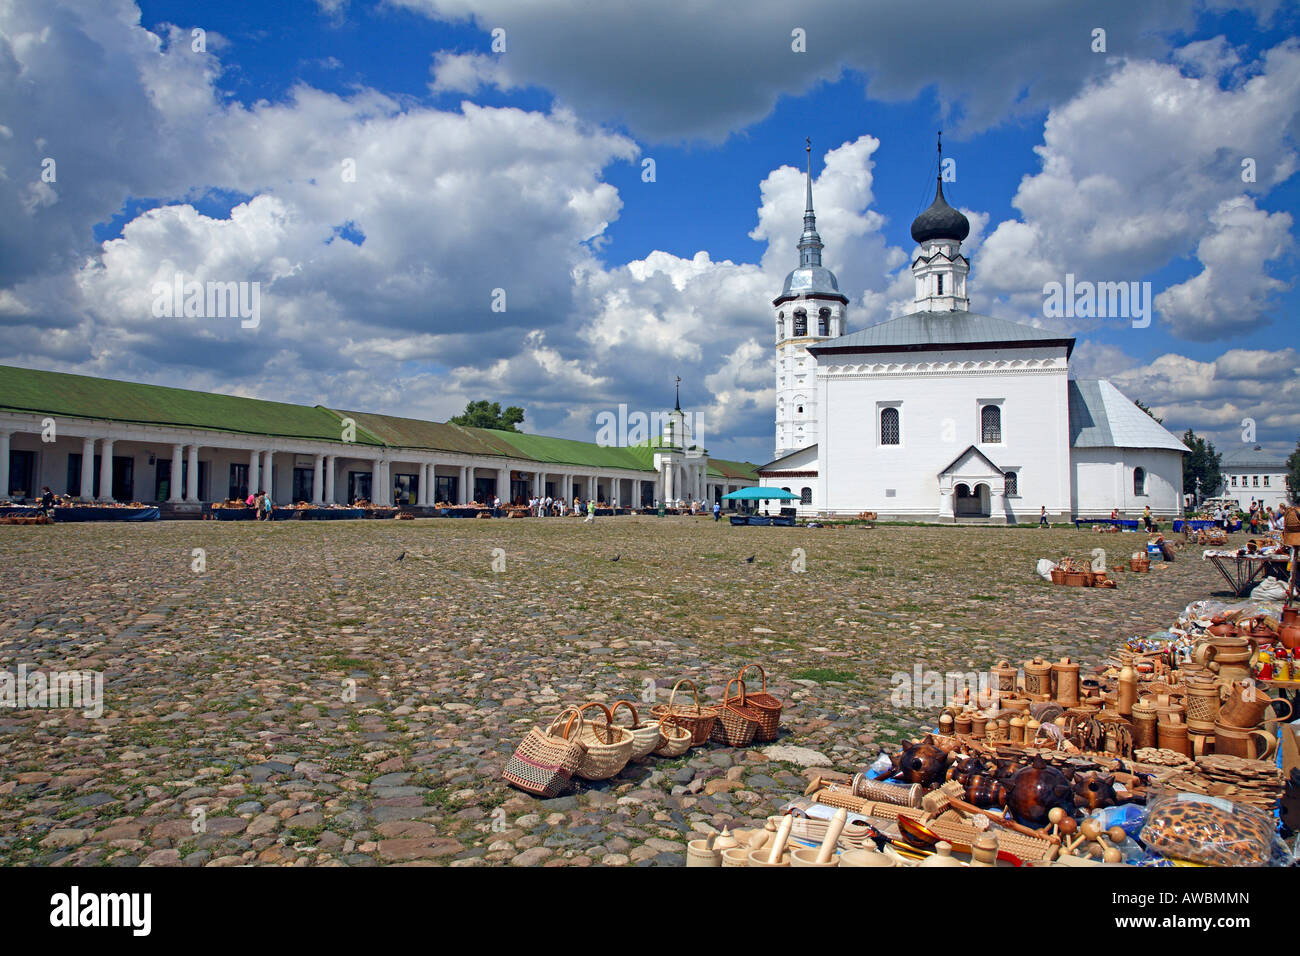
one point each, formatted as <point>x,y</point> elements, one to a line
<point>737,722</point>
<point>768,707</point>
<point>1139,565</point>
<point>544,761</point>
<point>673,740</point>
<point>608,746</point>
<point>1058,576</point>
<point>645,735</point>
<point>698,720</point>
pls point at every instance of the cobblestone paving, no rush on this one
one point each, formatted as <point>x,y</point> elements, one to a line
<point>224,690</point>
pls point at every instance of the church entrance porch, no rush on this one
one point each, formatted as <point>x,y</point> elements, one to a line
<point>971,503</point>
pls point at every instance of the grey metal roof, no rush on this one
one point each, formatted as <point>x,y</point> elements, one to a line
<point>1255,457</point>
<point>936,330</point>
<point>1102,417</point>
<point>810,279</point>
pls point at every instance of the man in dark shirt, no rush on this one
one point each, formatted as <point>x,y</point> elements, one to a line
<point>47,500</point>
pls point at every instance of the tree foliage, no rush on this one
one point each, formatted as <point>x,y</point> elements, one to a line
<point>1202,463</point>
<point>489,415</point>
<point>1293,474</point>
<point>1147,409</point>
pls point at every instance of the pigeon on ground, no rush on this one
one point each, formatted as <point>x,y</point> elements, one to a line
<point>750,559</point>
<point>400,556</point>
<point>616,557</point>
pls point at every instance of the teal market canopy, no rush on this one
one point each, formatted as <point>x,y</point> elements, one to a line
<point>760,494</point>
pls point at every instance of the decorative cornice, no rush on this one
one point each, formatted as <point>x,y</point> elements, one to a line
<point>923,369</point>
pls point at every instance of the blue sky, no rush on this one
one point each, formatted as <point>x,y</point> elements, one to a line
<point>522,170</point>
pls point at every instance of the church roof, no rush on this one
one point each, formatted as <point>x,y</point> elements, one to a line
<point>1101,416</point>
<point>931,331</point>
<point>1255,457</point>
<point>940,221</point>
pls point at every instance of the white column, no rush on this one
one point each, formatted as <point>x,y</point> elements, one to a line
<point>174,486</point>
<point>539,484</point>
<point>87,466</point>
<point>997,502</point>
<point>317,479</point>
<point>192,477</point>
<point>330,462</point>
<point>268,474</point>
<point>668,482</point>
<point>465,492</point>
<point>379,482</point>
<point>423,497</point>
<point>503,485</point>
<point>105,470</point>
<point>4,465</point>
<point>254,476</point>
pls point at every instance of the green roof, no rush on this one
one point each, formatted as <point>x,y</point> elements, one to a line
<point>81,396</point>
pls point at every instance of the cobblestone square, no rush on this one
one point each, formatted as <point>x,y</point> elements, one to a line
<point>227,692</point>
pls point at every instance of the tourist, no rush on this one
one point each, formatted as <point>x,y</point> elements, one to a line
<point>47,500</point>
<point>717,511</point>
<point>1114,514</point>
<point>1042,517</point>
<point>496,506</point>
<point>1146,518</point>
<point>266,506</point>
<point>550,503</point>
<point>591,512</point>
<point>577,505</point>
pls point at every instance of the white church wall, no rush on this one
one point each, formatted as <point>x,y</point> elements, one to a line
<point>1104,480</point>
<point>939,396</point>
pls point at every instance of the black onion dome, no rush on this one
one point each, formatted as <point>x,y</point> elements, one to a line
<point>940,221</point>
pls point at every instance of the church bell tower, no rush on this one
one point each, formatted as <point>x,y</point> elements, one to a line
<point>809,310</point>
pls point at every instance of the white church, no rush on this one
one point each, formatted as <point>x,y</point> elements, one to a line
<point>944,414</point>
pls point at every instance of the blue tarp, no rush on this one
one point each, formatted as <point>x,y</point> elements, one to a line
<point>91,513</point>
<point>761,494</point>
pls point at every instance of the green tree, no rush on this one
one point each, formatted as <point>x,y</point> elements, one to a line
<point>1293,478</point>
<point>489,415</point>
<point>1202,463</point>
<point>1147,409</point>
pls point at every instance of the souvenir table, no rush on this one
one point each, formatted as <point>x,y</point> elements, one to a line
<point>1244,571</point>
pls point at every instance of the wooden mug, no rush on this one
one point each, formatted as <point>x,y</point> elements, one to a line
<point>1247,705</point>
<point>1241,742</point>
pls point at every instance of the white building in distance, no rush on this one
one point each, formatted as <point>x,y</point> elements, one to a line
<point>943,414</point>
<point>1253,474</point>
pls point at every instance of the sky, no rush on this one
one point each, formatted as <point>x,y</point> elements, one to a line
<point>566,206</point>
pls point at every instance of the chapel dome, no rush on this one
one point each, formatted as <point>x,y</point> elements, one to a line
<point>940,221</point>
<point>809,280</point>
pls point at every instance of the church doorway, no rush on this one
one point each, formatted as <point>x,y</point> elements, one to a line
<point>968,503</point>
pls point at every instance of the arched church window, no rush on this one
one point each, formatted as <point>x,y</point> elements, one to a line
<point>780,326</point>
<point>1139,481</point>
<point>805,496</point>
<point>800,322</point>
<point>824,322</point>
<point>889,426</point>
<point>991,424</point>
<point>1011,485</point>
<point>940,278</point>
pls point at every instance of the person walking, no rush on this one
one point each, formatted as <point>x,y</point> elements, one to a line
<point>717,511</point>
<point>591,512</point>
<point>1146,517</point>
<point>496,506</point>
<point>1042,517</point>
<point>47,500</point>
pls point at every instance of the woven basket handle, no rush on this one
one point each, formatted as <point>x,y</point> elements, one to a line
<point>636,721</point>
<point>741,675</point>
<point>726,694</point>
<point>609,719</point>
<point>576,715</point>
<point>694,689</point>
